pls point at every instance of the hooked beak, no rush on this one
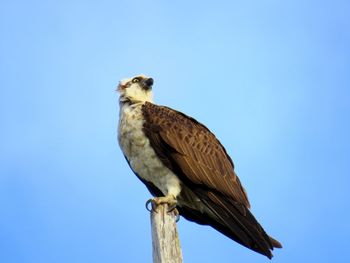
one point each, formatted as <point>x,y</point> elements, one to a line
<point>147,84</point>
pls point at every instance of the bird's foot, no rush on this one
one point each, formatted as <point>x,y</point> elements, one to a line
<point>170,200</point>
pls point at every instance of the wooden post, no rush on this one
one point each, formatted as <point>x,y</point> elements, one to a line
<point>165,239</point>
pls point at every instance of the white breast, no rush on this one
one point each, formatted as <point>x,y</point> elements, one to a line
<point>141,156</point>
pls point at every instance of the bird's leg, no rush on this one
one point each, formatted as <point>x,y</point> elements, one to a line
<point>169,199</point>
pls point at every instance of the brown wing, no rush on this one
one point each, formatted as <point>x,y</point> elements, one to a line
<point>190,150</point>
<point>201,157</point>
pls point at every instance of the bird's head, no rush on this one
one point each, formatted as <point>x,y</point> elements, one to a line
<point>136,89</point>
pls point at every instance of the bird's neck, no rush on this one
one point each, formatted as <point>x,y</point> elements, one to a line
<point>131,102</point>
<point>127,105</point>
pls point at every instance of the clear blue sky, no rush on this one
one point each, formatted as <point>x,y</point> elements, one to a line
<point>269,78</point>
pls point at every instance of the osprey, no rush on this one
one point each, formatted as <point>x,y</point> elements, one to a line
<point>184,165</point>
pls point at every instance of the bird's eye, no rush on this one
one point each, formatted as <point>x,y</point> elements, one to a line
<point>135,80</point>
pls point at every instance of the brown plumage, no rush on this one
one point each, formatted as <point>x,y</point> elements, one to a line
<point>195,155</point>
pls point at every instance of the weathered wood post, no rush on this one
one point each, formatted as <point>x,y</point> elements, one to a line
<point>165,239</point>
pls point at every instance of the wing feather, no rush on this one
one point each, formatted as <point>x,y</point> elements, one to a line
<point>195,150</point>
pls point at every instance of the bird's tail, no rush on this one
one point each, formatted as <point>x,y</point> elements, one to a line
<point>238,223</point>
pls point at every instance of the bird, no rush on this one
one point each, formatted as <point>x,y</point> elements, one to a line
<point>185,166</point>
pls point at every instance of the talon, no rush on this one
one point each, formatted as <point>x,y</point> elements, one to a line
<point>176,214</point>
<point>172,207</point>
<point>149,201</point>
